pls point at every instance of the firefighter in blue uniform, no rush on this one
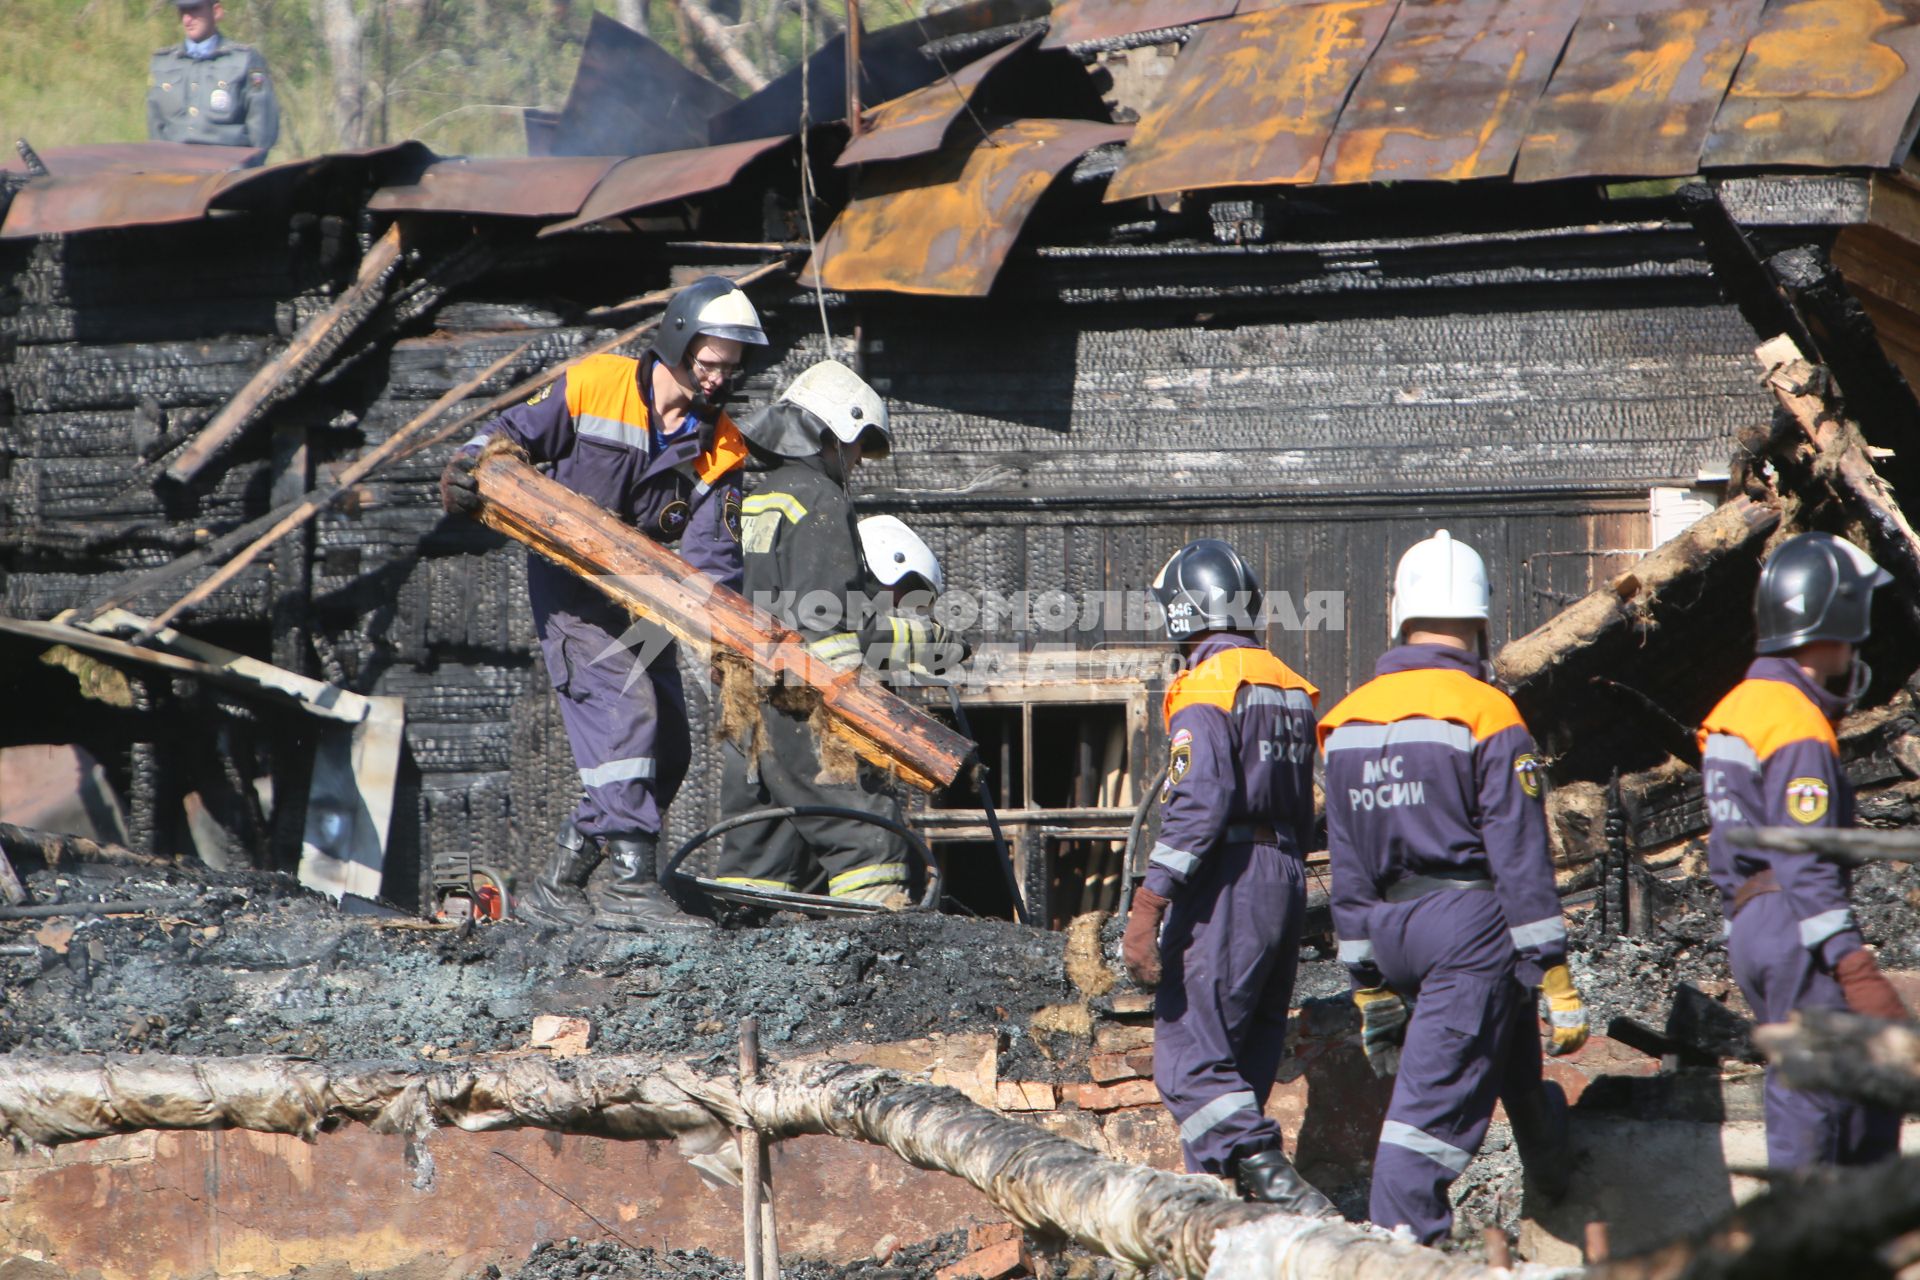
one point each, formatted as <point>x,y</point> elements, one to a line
<point>208,89</point>
<point>1215,923</point>
<point>1769,758</point>
<point>1443,896</point>
<point>647,440</point>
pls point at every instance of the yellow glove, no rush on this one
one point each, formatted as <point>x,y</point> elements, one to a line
<point>1383,1025</point>
<point>1564,1011</point>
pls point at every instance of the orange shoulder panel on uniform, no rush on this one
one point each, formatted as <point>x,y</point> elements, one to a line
<point>1217,680</point>
<point>1426,693</point>
<point>606,386</point>
<point>1768,715</point>
<point>729,451</point>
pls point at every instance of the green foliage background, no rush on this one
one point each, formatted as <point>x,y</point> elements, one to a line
<point>452,73</point>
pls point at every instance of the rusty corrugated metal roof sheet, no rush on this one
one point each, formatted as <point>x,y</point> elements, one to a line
<point>643,181</point>
<point>918,122</point>
<point>944,224</point>
<point>1637,89</point>
<point>1253,99</point>
<point>1825,83</point>
<point>136,157</point>
<point>1077,22</point>
<point>533,187</point>
<point>1449,93</point>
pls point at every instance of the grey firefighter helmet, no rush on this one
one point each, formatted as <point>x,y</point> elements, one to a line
<point>1206,586</point>
<point>828,399</point>
<point>1815,587</point>
<point>713,305</point>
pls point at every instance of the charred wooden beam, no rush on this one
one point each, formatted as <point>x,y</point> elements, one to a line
<point>53,848</point>
<point>287,373</point>
<point>1853,847</point>
<point>1857,1057</point>
<point>655,584</point>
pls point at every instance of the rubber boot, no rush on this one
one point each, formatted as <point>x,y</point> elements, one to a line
<point>1539,1121</point>
<point>635,901</point>
<point>1270,1178</point>
<point>559,896</point>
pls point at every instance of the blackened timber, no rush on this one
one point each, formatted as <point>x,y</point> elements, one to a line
<point>653,583</point>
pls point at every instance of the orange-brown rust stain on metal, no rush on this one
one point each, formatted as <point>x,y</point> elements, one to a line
<point>1824,82</point>
<point>1449,93</point>
<point>1637,89</point>
<point>1079,21</point>
<point>1253,99</point>
<point>944,224</point>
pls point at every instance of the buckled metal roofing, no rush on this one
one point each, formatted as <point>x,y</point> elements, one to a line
<point>642,182</point>
<point>918,122</point>
<point>944,224</point>
<point>544,187</point>
<point>1085,22</point>
<point>630,97</point>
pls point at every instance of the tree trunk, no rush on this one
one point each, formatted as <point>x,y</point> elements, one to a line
<point>341,32</point>
<point>632,13</point>
<point>717,38</point>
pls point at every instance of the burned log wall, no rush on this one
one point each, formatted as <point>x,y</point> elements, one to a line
<point>1061,438</point>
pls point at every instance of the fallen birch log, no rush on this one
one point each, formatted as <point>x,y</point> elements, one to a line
<point>1833,1051</point>
<point>1046,1183</point>
<point>1855,847</point>
<point>653,583</point>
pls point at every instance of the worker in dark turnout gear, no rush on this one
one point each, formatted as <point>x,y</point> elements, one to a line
<point>1215,924</point>
<point>207,89</point>
<point>1769,758</point>
<point>803,563</point>
<point>647,440</point>
<point>1443,896</point>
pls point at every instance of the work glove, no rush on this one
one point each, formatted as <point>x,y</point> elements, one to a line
<point>1383,1026</point>
<point>1566,1014</point>
<point>1140,945</point>
<point>1866,988</point>
<point>459,489</point>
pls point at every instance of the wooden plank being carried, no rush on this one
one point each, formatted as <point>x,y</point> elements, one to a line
<point>655,584</point>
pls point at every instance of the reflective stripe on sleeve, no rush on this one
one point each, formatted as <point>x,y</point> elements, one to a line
<point>618,771</point>
<point>1725,748</point>
<point>1815,930</point>
<point>785,503</point>
<point>836,647</point>
<point>1395,1133</point>
<point>1265,695</point>
<point>1178,861</point>
<point>1540,932</point>
<point>1372,737</point>
<point>480,439</point>
<point>1356,952</point>
<point>612,430</point>
<point>1214,1114</point>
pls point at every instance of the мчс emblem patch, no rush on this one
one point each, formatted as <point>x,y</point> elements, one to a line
<point>1529,770</point>
<point>541,394</point>
<point>1179,760</point>
<point>1807,799</point>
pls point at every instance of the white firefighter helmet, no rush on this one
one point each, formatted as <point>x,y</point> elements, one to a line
<point>1438,578</point>
<point>844,404</point>
<point>894,551</point>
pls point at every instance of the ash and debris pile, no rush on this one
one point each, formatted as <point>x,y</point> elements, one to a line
<point>575,1259</point>
<point>251,963</point>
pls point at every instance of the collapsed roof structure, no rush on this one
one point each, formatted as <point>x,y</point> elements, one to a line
<point>1315,278</point>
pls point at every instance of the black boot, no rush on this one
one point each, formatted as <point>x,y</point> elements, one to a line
<point>635,899</point>
<point>1270,1178</point>
<point>1539,1121</point>
<point>559,896</point>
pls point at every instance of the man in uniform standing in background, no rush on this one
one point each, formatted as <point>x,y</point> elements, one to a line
<point>207,89</point>
<point>1769,758</point>
<point>1215,923</point>
<point>1444,898</point>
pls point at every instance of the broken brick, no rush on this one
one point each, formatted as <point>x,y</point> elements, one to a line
<point>1024,1095</point>
<point>991,1263</point>
<point>1128,1093</point>
<point>562,1036</point>
<point>1122,1039</point>
<point>992,1233</point>
<point>1107,1068</point>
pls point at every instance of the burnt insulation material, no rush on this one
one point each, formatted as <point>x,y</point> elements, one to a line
<point>284,971</point>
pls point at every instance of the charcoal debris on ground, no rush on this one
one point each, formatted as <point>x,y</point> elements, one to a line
<point>282,970</point>
<point>575,1259</point>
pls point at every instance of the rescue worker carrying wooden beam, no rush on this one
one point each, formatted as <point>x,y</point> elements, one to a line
<point>1769,758</point>
<point>1444,900</point>
<point>803,563</point>
<point>1215,924</point>
<point>647,440</point>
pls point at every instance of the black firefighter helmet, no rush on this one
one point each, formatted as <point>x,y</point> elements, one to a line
<point>1815,587</point>
<point>1206,586</point>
